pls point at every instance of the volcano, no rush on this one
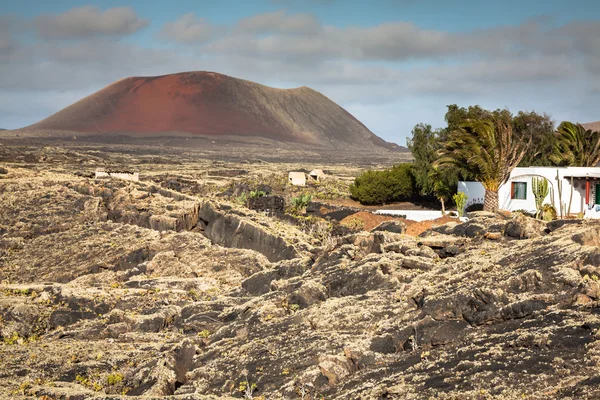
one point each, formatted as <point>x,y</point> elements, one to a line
<point>213,105</point>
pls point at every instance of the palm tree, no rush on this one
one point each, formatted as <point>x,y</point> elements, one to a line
<point>576,146</point>
<point>485,150</point>
<point>440,186</point>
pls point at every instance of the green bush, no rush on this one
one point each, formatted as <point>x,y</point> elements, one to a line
<point>380,187</point>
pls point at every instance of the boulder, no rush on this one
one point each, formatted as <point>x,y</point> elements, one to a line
<point>309,293</point>
<point>336,368</point>
<point>473,229</point>
<point>523,227</point>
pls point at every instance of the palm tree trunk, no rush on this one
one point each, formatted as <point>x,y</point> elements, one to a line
<point>443,206</point>
<point>490,203</point>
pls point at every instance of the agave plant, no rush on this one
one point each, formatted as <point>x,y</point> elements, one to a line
<point>576,146</point>
<point>486,150</point>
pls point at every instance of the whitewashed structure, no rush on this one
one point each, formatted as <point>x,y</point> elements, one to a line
<point>297,178</point>
<point>582,196</point>
<point>124,175</point>
<point>317,175</point>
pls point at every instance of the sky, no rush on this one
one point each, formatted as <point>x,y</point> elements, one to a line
<point>391,63</point>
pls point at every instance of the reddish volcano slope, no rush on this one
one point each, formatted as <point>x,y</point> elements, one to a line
<point>208,103</point>
<point>595,126</point>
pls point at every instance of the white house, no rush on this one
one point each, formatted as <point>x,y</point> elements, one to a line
<point>582,196</point>
<point>317,175</point>
<point>297,178</point>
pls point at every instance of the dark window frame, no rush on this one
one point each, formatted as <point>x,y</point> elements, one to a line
<point>513,191</point>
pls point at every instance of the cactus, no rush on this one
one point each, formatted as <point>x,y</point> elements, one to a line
<point>539,186</point>
<point>460,199</point>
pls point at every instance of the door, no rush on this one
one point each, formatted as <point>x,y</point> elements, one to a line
<point>597,194</point>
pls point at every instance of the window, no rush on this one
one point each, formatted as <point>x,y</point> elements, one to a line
<point>518,191</point>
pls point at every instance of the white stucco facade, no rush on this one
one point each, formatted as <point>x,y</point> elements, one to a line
<point>127,176</point>
<point>580,195</point>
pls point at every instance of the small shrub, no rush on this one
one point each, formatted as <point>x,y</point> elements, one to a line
<point>242,199</point>
<point>257,193</point>
<point>460,199</point>
<point>115,378</point>
<point>301,202</point>
<point>548,212</point>
<point>194,295</point>
<point>204,333</point>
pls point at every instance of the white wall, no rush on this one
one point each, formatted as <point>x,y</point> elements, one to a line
<point>413,215</point>
<point>504,195</point>
<point>118,175</point>
<point>474,191</point>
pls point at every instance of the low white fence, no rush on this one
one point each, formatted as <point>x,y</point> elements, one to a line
<point>415,215</point>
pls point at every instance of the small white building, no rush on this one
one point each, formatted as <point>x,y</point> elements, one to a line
<point>517,194</point>
<point>297,178</point>
<point>124,175</point>
<point>317,175</point>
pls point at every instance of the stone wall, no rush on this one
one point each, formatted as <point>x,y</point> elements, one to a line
<point>271,204</point>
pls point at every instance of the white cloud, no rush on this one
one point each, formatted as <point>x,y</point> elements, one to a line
<point>279,22</point>
<point>187,29</point>
<point>89,21</point>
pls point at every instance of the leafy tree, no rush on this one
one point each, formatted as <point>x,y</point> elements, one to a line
<point>380,187</point>
<point>576,146</point>
<point>540,128</point>
<point>424,146</point>
<point>487,150</point>
<point>456,116</point>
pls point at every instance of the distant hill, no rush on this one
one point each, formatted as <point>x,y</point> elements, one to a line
<point>212,104</point>
<point>595,126</point>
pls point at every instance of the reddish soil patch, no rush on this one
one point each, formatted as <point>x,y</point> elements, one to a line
<point>416,228</point>
<point>368,220</point>
<point>413,228</point>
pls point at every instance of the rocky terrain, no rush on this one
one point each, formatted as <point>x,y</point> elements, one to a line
<point>113,289</point>
<point>210,105</point>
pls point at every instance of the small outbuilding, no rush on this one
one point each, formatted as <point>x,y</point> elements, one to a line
<point>317,175</point>
<point>297,178</point>
<point>125,175</point>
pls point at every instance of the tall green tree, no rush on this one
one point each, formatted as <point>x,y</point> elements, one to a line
<point>487,150</point>
<point>576,146</point>
<point>540,128</point>
<point>424,146</point>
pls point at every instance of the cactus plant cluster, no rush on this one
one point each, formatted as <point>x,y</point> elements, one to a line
<point>540,190</point>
